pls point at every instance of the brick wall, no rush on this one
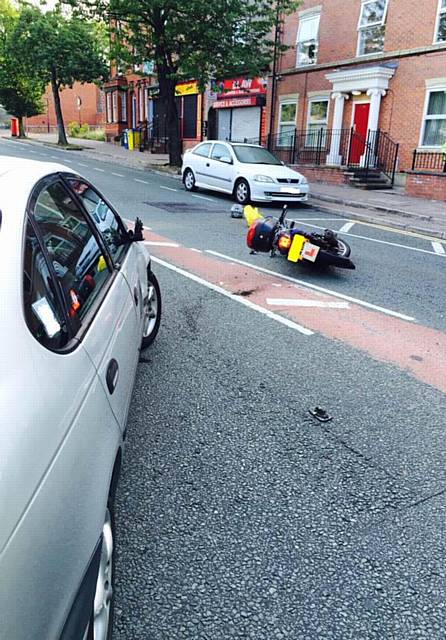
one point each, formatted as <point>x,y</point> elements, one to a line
<point>327,175</point>
<point>92,109</point>
<point>424,185</point>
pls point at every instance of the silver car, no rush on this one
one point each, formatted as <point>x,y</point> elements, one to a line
<point>78,302</point>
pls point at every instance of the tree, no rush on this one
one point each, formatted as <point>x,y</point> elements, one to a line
<point>20,94</point>
<point>197,39</point>
<point>59,50</point>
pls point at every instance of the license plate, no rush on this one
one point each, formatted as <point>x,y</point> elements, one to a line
<point>291,190</point>
<point>310,251</point>
<point>295,252</point>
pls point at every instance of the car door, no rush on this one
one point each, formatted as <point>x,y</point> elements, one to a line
<point>198,161</point>
<point>221,167</point>
<point>96,292</point>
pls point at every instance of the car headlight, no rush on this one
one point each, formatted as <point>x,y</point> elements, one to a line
<point>304,181</point>
<point>263,179</point>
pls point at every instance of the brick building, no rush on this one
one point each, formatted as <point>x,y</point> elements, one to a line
<point>357,68</point>
<point>84,103</point>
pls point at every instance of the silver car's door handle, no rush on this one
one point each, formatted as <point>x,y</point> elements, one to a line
<point>112,375</point>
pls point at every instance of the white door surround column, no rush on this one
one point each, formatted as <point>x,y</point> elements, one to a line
<point>375,104</point>
<point>334,158</point>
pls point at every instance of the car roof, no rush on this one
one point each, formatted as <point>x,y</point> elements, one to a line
<point>232,143</point>
<point>35,167</point>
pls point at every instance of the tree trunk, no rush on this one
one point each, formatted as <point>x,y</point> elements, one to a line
<point>60,124</point>
<point>173,129</point>
<point>22,133</point>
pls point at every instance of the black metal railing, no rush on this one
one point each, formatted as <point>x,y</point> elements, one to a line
<point>377,152</point>
<point>433,162</point>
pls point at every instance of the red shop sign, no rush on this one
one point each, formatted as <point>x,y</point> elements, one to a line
<point>240,86</point>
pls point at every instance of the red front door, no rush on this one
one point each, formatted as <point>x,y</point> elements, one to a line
<point>360,125</point>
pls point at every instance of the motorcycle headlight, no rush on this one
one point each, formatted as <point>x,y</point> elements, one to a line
<point>261,178</point>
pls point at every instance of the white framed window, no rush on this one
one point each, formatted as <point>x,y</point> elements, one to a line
<point>287,122</point>
<point>371,27</point>
<point>114,106</point>
<point>108,105</point>
<point>123,106</point>
<point>307,39</point>
<point>434,121</point>
<point>317,121</point>
<point>440,27</point>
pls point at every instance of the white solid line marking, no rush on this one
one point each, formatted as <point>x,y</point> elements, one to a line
<point>167,188</point>
<point>308,285</point>
<point>346,227</point>
<point>196,250</point>
<point>119,175</point>
<point>203,198</point>
<point>439,248</point>
<point>239,299</point>
<point>142,181</point>
<point>154,243</point>
<point>392,244</point>
<point>97,169</point>
<point>299,302</point>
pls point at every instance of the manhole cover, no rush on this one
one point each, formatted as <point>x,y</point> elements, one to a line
<point>184,208</point>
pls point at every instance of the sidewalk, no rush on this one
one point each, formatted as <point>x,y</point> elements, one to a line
<point>390,207</point>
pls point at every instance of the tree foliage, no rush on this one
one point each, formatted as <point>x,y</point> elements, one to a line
<point>197,39</point>
<point>59,50</point>
<point>20,92</point>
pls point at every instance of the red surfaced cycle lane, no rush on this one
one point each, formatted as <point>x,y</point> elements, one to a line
<point>414,348</point>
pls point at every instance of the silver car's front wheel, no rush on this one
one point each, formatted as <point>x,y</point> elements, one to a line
<point>242,192</point>
<point>189,180</point>
<point>100,627</point>
<point>151,311</point>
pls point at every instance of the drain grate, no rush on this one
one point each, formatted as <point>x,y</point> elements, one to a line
<point>184,208</point>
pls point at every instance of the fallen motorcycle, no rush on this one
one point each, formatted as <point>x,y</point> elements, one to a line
<point>276,235</point>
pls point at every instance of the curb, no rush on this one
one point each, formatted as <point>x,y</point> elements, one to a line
<point>361,205</point>
<point>394,224</point>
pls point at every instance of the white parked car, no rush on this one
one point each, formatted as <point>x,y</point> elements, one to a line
<point>249,172</point>
<point>78,301</point>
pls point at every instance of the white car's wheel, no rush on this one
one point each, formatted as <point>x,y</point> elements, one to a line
<point>152,311</point>
<point>189,180</point>
<point>242,191</point>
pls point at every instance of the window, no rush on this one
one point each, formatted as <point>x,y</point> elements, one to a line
<point>114,106</point>
<point>190,111</point>
<point>307,39</point>
<point>434,129</point>
<point>287,123</point>
<point>78,261</point>
<point>317,122</point>
<point>43,313</point>
<point>440,35</point>
<point>254,155</point>
<point>203,150</point>
<point>109,226</point>
<point>109,107</point>
<point>220,151</point>
<point>123,106</point>
<point>372,27</point>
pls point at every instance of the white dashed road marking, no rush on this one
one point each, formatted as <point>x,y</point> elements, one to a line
<point>202,198</point>
<point>81,164</point>
<point>142,181</point>
<point>299,302</point>
<point>97,169</point>
<point>118,175</point>
<point>167,188</point>
<point>438,247</point>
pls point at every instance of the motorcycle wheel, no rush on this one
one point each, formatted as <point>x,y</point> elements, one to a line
<point>343,248</point>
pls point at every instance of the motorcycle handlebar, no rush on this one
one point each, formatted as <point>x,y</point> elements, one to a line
<point>283,214</point>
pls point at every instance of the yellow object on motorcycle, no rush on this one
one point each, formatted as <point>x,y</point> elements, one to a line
<point>295,252</point>
<point>251,214</point>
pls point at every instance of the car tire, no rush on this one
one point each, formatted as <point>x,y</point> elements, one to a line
<point>189,180</point>
<point>242,192</point>
<point>152,311</point>
<point>102,613</point>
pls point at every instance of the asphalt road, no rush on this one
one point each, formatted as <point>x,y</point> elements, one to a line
<point>241,516</point>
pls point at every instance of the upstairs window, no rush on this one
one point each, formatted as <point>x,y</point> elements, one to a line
<point>307,39</point>
<point>434,129</point>
<point>440,32</point>
<point>372,27</point>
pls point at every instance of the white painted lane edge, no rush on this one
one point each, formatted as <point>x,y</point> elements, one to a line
<point>247,303</point>
<point>346,227</point>
<point>154,243</point>
<point>392,244</point>
<point>438,247</point>
<point>196,250</point>
<point>316,287</point>
<point>299,302</point>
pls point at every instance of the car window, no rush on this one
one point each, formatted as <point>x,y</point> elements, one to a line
<point>78,260</point>
<point>220,151</point>
<point>254,155</point>
<point>111,229</point>
<point>203,150</point>
<point>43,313</point>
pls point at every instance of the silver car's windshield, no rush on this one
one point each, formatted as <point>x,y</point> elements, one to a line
<point>254,155</point>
